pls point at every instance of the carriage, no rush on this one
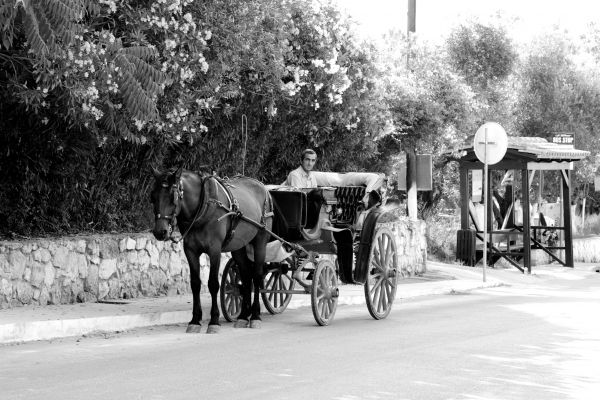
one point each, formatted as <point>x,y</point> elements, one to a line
<point>325,236</point>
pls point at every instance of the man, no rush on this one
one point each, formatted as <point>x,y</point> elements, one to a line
<point>302,177</point>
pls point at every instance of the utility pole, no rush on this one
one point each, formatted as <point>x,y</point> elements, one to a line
<point>412,14</point>
<point>411,152</point>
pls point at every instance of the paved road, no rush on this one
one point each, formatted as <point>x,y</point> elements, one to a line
<point>538,341</point>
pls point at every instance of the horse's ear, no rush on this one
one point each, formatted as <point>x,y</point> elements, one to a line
<point>155,172</point>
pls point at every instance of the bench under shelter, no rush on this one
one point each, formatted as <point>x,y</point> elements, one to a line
<point>513,233</point>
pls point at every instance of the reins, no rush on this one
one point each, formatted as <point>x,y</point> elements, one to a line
<point>199,212</point>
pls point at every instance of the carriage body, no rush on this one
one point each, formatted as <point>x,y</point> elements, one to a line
<point>340,241</point>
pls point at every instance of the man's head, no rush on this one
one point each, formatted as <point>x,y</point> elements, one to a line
<point>309,157</point>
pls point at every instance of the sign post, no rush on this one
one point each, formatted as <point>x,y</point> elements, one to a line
<point>490,146</point>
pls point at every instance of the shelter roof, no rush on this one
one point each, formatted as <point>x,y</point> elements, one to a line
<point>535,149</point>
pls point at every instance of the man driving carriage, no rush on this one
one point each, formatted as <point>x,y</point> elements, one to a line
<point>302,177</point>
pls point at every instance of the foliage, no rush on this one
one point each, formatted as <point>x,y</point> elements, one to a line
<point>127,84</point>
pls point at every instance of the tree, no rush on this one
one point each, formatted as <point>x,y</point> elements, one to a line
<point>431,108</point>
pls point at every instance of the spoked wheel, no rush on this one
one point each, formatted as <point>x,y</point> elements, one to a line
<point>231,297</point>
<point>324,293</point>
<point>380,286</point>
<point>277,282</point>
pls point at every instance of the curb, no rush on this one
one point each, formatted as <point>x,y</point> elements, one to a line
<point>26,331</point>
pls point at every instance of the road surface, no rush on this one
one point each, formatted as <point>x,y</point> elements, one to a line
<point>536,341</point>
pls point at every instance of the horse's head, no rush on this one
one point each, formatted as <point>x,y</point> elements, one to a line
<point>166,199</point>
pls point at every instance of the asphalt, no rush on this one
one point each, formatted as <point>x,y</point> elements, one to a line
<point>24,324</point>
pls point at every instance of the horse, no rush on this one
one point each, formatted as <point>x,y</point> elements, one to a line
<point>216,216</point>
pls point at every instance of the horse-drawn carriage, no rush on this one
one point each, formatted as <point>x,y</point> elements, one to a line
<point>322,235</point>
<point>325,235</point>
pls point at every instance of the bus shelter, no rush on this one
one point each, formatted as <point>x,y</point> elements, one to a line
<point>517,224</point>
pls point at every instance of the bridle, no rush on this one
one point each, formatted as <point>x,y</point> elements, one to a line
<point>177,195</point>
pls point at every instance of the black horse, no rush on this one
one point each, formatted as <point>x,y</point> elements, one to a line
<point>216,216</point>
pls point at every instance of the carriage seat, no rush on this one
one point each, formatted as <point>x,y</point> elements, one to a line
<point>372,181</point>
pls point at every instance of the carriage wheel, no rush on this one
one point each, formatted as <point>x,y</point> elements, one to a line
<point>381,283</point>
<point>231,297</point>
<point>279,279</point>
<point>324,293</point>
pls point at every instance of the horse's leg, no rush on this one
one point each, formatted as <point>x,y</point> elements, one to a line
<point>260,248</point>
<point>213,287</point>
<point>193,259</point>
<point>239,256</point>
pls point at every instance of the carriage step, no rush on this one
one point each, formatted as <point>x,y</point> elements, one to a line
<point>284,291</point>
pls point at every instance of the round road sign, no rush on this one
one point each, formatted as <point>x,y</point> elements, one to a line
<point>490,143</point>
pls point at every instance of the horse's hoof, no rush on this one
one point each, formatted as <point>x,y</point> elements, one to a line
<point>255,324</point>
<point>193,328</point>
<point>240,323</point>
<point>213,329</point>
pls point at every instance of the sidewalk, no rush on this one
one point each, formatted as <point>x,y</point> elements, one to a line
<point>42,323</point>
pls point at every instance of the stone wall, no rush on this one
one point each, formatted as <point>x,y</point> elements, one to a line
<point>89,268</point>
<point>411,245</point>
<point>104,267</point>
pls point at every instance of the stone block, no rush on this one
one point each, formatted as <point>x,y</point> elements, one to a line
<point>91,282</point>
<point>146,287</point>
<point>52,248</point>
<point>24,292</point>
<point>114,288</point>
<point>143,257</point>
<point>36,294</point>
<point>123,245</point>
<point>86,297</point>
<point>4,264</point>
<point>38,274</point>
<point>107,268</point>
<point>130,244</point>
<point>44,299</point>
<point>82,265</point>
<point>153,253</point>
<point>61,257</point>
<point>6,288</point>
<point>27,274</point>
<point>28,248</point>
<point>93,248</point>
<point>80,246</point>
<point>141,243</point>
<point>163,260</point>
<point>49,274</point>
<point>175,265</point>
<point>17,262</point>
<point>103,290</point>
<point>157,277</point>
<point>108,248</point>
<point>132,258</point>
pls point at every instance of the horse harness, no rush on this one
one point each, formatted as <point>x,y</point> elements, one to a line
<point>236,214</point>
<point>232,211</point>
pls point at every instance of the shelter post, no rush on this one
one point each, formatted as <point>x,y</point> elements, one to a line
<point>464,197</point>
<point>526,221</point>
<point>568,226</point>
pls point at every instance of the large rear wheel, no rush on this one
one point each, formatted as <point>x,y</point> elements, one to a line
<point>382,277</point>
<point>278,282</point>
<point>324,293</point>
<point>230,291</point>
